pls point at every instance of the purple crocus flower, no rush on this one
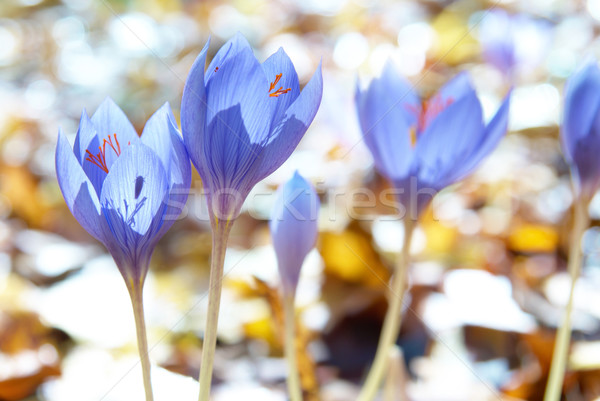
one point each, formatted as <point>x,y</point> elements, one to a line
<point>511,42</point>
<point>242,119</point>
<point>125,190</point>
<point>294,228</point>
<point>580,133</point>
<point>422,147</point>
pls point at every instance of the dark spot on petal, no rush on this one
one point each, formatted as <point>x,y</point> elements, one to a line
<point>139,183</point>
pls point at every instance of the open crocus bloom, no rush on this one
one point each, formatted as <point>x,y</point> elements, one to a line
<point>580,130</point>
<point>125,190</point>
<point>422,147</point>
<point>242,119</point>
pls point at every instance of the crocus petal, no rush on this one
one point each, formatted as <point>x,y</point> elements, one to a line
<point>193,109</point>
<point>77,189</point>
<point>241,81</point>
<point>108,120</point>
<point>457,88</point>
<point>227,162</point>
<point>586,163</point>
<point>395,89</point>
<point>294,227</point>
<point>287,134</point>
<point>86,133</point>
<point>87,140</point>
<point>385,125</point>
<point>161,135</point>
<point>230,49</point>
<point>582,102</point>
<point>493,133</point>
<point>133,202</point>
<point>280,63</point>
<point>448,139</point>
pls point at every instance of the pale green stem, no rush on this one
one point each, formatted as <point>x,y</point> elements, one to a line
<point>293,377</point>
<point>219,246</point>
<point>563,338</point>
<point>393,389</point>
<point>392,321</point>
<point>135,293</point>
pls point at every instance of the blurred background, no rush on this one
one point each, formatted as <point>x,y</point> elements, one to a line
<point>488,280</point>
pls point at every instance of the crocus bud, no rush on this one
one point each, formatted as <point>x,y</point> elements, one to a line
<point>294,228</point>
<point>580,131</point>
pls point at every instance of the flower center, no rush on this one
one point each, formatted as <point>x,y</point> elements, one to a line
<point>99,159</point>
<point>425,114</point>
<point>280,90</point>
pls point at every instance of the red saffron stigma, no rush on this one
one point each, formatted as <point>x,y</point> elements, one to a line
<point>279,91</point>
<point>429,110</point>
<point>99,159</point>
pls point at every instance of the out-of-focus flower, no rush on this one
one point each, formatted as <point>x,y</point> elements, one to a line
<point>125,190</point>
<point>580,133</point>
<point>424,147</point>
<point>241,120</point>
<point>511,42</point>
<point>294,228</point>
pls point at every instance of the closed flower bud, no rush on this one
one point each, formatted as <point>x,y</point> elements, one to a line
<point>294,228</point>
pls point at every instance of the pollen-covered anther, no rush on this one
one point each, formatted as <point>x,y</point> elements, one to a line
<point>413,136</point>
<point>280,90</point>
<point>99,159</point>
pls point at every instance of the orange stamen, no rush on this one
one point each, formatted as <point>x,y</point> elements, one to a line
<point>274,83</point>
<point>117,150</point>
<point>99,159</point>
<point>425,114</point>
<point>279,91</point>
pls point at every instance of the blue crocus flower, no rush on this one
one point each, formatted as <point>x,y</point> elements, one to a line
<point>497,38</point>
<point>580,131</point>
<point>242,119</point>
<point>510,42</point>
<point>125,190</point>
<point>422,147</point>
<point>294,228</point>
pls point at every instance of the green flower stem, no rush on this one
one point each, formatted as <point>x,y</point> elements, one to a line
<point>293,377</point>
<point>135,292</point>
<point>219,246</point>
<point>393,389</point>
<point>563,338</point>
<point>392,321</point>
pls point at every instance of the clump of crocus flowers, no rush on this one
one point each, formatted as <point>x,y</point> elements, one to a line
<point>241,119</point>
